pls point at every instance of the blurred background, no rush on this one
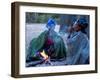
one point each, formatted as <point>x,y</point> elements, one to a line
<point>64,20</point>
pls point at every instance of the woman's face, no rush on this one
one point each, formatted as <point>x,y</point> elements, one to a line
<point>76,27</point>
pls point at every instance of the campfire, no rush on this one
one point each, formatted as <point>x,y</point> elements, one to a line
<point>46,58</point>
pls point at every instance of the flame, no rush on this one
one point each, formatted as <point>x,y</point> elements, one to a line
<point>44,55</point>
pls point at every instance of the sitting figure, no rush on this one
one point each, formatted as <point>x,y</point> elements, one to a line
<point>47,46</point>
<point>78,44</point>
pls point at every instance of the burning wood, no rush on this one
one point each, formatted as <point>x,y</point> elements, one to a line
<point>46,58</point>
<point>44,55</point>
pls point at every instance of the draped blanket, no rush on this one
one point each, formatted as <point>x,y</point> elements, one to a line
<point>55,49</point>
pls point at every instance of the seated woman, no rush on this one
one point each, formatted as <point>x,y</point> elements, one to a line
<point>78,44</point>
<point>47,45</point>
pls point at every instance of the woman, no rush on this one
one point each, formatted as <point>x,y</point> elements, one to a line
<point>78,44</point>
<point>48,43</point>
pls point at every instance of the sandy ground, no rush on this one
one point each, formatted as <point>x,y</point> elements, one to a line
<point>43,64</point>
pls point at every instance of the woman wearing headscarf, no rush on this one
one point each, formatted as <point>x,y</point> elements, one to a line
<point>48,44</point>
<point>78,44</point>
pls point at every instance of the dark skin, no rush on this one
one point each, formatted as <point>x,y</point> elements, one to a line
<point>77,27</point>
